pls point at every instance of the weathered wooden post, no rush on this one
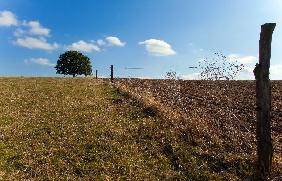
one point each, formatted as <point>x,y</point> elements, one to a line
<point>96,74</point>
<point>112,73</point>
<point>263,103</point>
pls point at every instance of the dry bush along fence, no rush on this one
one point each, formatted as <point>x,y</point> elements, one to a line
<point>217,116</point>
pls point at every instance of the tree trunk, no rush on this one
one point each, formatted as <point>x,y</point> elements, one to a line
<point>73,75</point>
<point>263,102</point>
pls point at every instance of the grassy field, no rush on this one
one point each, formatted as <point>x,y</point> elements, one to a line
<point>85,129</point>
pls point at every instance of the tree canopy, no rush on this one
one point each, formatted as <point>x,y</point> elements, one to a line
<point>73,63</point>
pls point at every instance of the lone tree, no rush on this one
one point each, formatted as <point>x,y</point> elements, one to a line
<point>73,63</point>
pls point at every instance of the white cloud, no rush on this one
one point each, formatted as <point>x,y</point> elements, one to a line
<point>40,61</point>
<point>248,69</point>
<point>101,42</point>
<point>246,74</point>
<point>19,32</point>
<point>92,45</point>
<point>36,28</point>
<point>192,76</point>
<point>84,46</point>
<point>7,18</point>
<point>158,47</point>
<point>242,59</point>
<point>144,77</point>
<point>115,41</point>
<point>24,29</point>
<point>276,72</point>
<point>35,43</point>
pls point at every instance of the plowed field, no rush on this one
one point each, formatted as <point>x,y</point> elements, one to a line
<point>219,115</point>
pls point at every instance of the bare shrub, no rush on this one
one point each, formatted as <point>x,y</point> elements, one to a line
<point>219,67</point>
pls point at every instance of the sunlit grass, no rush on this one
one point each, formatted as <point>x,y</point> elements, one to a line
<point>85,129</point>
<point>59,128</point>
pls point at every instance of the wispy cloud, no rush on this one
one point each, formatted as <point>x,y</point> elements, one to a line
<point>39,61</point>
<point>276,71</point>
<point>192,76</point>
<point>144,77</point>
<point>158,47</point>
<point>84,46</point>
<point>33,35</point>
<point>7,18</point>
<point>36,43</point>
<point>19,32</point>
<point>95,46</point>
<point>246,73</point>
<point>115,41</point>
<point>101,42</point>
<point>242,59</point>
<point>30,34</point>
<point>36,28</point>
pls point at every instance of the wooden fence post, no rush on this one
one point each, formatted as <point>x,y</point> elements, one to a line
<point>96,74</point>
<point>112,73</point>
<point>263,103</point>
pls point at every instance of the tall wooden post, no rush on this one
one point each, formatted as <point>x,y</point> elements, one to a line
<point>112,73</point>
<point>96,74</point>
<point>263,103</point>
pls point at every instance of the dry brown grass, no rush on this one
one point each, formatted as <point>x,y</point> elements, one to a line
<point>76,129</point>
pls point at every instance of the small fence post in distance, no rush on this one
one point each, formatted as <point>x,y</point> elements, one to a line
<point>96,74</point>
<point>112,73</point>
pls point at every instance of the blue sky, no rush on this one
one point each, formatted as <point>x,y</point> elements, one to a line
<point>157,35</point>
